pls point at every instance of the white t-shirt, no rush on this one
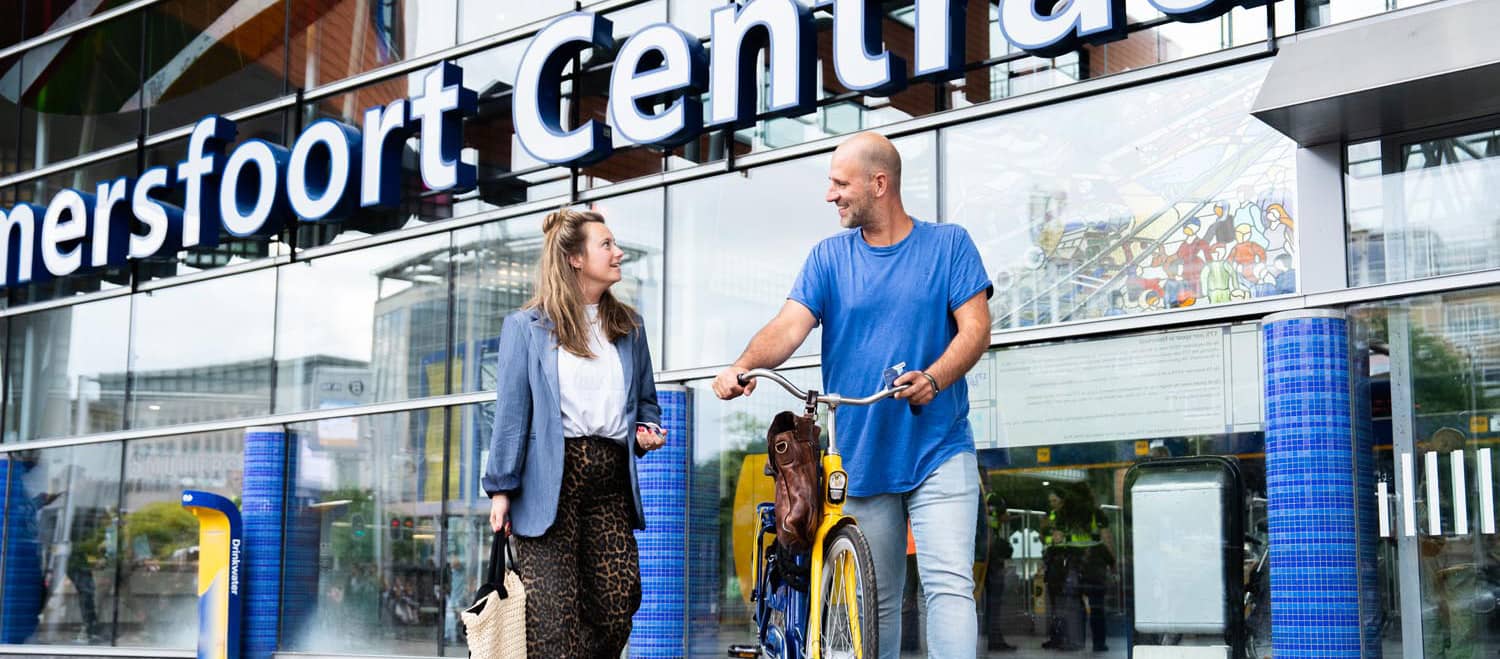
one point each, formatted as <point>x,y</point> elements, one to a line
<point>593,390</point>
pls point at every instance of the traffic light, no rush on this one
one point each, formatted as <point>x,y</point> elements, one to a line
<point>395,528</point>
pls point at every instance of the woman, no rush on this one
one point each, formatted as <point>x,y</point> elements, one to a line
<point>576,408</point>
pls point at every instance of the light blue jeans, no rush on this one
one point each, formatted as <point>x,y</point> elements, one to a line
<point>943,510</point>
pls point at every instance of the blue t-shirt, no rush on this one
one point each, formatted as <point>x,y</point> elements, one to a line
<point>880,306</point>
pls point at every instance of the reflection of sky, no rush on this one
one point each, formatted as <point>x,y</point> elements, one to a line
<point>213,322</point>
<point>327,305</point>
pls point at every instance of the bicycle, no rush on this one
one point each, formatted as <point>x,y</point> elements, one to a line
<point>840,563</point>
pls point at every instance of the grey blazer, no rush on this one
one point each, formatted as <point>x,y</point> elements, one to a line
<point>526,447</point>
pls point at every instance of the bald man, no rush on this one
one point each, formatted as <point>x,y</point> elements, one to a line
<point>888,290</point>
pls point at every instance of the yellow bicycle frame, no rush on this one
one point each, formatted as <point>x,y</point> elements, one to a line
<point>833,517</point>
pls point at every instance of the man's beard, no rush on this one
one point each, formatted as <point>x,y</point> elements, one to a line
<point>853,219</point>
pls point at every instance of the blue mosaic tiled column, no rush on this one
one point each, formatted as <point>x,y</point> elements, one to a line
<point>1310,478</point>
<point>659,626</point>
<point>263,505</point>
<point>22,584</point>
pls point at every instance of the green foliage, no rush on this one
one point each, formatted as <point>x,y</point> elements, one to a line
<point>165,525</point>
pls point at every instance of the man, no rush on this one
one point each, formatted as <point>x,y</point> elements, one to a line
<point>894,290</point>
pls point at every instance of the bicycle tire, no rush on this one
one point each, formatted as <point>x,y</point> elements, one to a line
<point>847,554</point>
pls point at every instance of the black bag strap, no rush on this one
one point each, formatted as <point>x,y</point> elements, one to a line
<point>499,553</point>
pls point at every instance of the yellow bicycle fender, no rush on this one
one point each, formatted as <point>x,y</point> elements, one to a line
<point>833,517</point>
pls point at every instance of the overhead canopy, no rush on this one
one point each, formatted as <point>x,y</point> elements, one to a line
<point>1410,69</point>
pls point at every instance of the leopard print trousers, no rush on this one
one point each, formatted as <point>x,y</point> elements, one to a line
<point>582,577</point>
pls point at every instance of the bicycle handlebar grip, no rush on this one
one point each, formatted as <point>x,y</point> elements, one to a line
<point>743,379</point>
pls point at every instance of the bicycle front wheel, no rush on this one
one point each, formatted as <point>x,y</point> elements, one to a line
<point>850,624</point>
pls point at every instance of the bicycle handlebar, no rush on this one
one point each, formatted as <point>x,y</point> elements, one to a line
<point>831,400</point>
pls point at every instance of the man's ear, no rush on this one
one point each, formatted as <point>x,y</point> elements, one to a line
<point>882,183</point>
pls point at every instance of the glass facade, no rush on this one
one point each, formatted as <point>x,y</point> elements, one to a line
<point>1137,236</point>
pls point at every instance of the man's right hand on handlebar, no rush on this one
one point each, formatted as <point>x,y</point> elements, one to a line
<point>727,384</point>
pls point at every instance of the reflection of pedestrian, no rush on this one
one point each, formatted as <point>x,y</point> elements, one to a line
<point>1000,551</point>
<point>80,570</point>
<point>1077,560</point>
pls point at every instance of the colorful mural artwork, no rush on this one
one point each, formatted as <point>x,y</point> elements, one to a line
<point>1184,207</point>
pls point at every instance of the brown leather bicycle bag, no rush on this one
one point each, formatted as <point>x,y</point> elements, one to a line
<point>792,447</point>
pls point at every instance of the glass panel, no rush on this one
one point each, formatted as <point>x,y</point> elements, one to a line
<point>86,280</point>
<point>202,351</point>
<point>336,40</point>
<point>67,371</point>
<point>363,327</point>
<point>481,18</point>
<point>1429,371</point>
<point>1030,442</point>
<point>33,18</point>
<point>467,521</point>
<point>78,92</point>
<point>1317,13</point>
<point>60,547</point>
<point>496,269</point>
<point>739,240</point>
<point>158,542</point>
<point>12,110</point>
<point>1150,215</point>
<point>230,250</point>
<point>373,488</point>
<point>208,57</point>
<point>1418,209</point>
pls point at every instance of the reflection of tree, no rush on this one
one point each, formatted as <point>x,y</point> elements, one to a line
<point>166,527</point>
<point>353,544</point>
<point>1442,375</point>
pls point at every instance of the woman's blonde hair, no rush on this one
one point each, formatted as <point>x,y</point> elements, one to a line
<point>558,295</point>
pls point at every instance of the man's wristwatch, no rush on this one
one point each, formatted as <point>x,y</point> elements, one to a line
<point>931,380</point>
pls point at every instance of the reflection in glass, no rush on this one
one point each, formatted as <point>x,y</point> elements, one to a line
<point>481,18</point>
<point>77,92</point>
<point>61,514</point>
<point>739,241</point>
<point>372,487</point>
<point>1428,377</point>
<point>159,538</point>
<point>1423,208</point>
<point>1164,211</point>
<point>201,351</point>
<point>59,363</point>
<point>211,56</point>
<point>468,519</point>
<point>496,268</point>
<point>363,327</point>
<point>331,41</point>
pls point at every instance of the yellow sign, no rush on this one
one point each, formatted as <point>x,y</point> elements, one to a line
<point>1044,454</point>
<point>1478,424</point>
<point>1142,448</point>
<point>753,488</point>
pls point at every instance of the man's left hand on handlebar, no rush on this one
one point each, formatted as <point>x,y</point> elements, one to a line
<point>920,390</point>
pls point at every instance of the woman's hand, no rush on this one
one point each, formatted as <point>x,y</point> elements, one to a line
<point>500,513</point>
<point>648,438</point>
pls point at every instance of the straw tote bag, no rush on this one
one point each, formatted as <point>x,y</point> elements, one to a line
<point>496,623</point>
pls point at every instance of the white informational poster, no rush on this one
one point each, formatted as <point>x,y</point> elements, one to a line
<point>1167,384</point>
